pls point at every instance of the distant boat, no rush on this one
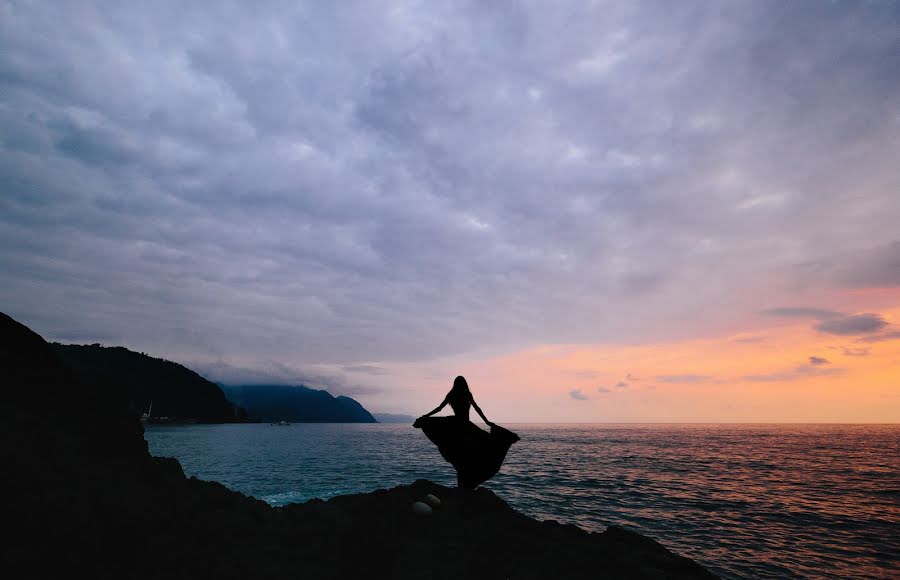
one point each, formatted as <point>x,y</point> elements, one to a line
<point>280,423</point>
<point>146,416</point>
<point>149,418</point>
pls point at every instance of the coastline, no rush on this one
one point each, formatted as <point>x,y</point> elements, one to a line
<point>87,498</point>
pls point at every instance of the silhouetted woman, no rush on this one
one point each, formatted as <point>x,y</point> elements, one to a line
<point>475,454</point>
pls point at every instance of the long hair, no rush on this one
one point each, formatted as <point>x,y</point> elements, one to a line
<point>460,385</point>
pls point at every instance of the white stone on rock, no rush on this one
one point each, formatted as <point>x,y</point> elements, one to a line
<point>432,500</point>
<point>421,509</point>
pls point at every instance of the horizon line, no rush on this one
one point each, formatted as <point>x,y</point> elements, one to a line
<point>887,423</point>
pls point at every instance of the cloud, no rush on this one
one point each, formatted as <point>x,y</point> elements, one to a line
<point>261,372</point>
<point>274,373</point>
<point>858,351</point>
<point>872,267</point>
<point>816,360</point>
<point>603,390</point>
<point>750,339</point>
<point>796,373</point>
<point>578,395</point>
<point>833,322</point>
<point>799,312</point>
<point>892,335</point>
<point>854,324</point>
<point>355,390</point>
<point>366,369</point>
<point>624,384</point>
<point>682,378</point>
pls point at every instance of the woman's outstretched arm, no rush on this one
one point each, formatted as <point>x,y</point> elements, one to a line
<point>439,407</point>
<point>478,409</point>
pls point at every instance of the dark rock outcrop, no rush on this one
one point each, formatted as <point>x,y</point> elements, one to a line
<point>472,534</point>
<point>83,498</point>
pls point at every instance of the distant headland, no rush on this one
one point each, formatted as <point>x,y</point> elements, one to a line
<point>296,403</point>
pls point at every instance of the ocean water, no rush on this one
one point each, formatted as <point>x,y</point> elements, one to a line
<point>746,501</point>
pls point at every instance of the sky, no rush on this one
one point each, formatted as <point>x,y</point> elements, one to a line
<point>595,211</point>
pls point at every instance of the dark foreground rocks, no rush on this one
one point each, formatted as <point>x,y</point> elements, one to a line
<point>473,534</point>
<point>82,497</point>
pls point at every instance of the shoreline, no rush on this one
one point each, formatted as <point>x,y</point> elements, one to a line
<point>88,499</point>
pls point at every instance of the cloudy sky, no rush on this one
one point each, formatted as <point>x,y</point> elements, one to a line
<point>596,211</point>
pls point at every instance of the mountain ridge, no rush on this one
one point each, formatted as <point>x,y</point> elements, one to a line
<point>296,403</point>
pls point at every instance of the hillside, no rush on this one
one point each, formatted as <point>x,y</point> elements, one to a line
<point>297,404</point>
<point>134,380</point>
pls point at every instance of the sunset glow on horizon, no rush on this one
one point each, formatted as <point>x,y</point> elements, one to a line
<point>788,372</point>
<point>783,374</point>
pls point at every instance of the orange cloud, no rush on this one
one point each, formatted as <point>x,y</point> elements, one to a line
<point>787,372</point>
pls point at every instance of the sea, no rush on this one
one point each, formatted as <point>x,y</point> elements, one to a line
<point>745,501</point>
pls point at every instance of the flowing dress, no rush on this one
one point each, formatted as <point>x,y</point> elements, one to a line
<point>475,454</point>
